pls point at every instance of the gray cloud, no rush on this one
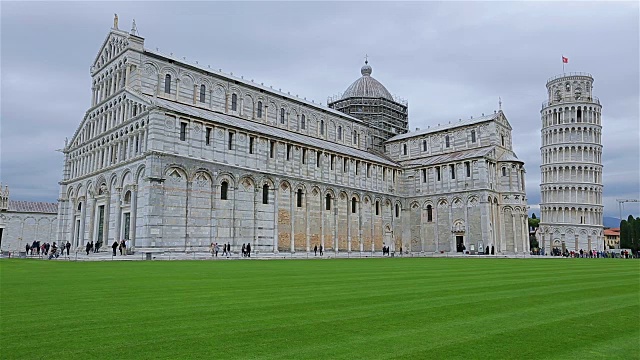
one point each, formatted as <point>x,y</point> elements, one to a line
<point>449,60</point>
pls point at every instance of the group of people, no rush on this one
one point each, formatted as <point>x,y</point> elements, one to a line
<point>623,254</point>
<point>214,248</point>
<point>122,245</point>
<point>315,250</point>
<point>46,249</point>
<point>93,248</point>
<point>246,250</point>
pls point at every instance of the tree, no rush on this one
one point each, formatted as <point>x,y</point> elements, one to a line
<point>630,233</point>
<point>534,223</point>
<point>533,216</point>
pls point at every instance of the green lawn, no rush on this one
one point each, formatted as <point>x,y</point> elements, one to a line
<point>330,309</point>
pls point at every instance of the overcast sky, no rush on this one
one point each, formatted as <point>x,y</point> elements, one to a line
<point>449,60</point>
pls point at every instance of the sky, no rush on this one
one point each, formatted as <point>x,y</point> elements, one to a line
<point>449,60</point>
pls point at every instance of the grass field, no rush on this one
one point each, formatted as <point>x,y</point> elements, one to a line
<point>330,309</point>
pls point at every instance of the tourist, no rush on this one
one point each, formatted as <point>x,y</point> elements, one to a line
<point>123,247</point>
<point>321,250</point>
<point>244,249</point>
<point>248,249</point>
<point>315,250</point>
<point>114,246</point>
<point>216,248</point>
<point>88,248</point>
<point>28,248</point>
<point>68,246</point>
<point>228,249</point>
<point>224,249</point>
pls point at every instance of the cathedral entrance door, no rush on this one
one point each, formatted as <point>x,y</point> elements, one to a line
<point>459,243</point>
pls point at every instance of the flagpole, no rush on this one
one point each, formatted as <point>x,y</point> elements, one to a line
<point>563,65</point>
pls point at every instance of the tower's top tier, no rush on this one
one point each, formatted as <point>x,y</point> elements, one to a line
<point>570,87</point>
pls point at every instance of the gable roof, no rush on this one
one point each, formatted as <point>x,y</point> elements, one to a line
<point>115,36</point>
<point>260,128</point>
<point>33,207</point>
<point>127,93</point>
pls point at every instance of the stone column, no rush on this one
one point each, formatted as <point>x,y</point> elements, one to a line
<point>335,223</point>
<point>72,217</point>
<point>306,214</point>
<point>292,217</point>
<point>83,212</point>
<point>513,225</point>
<point>322,216</point>
<point>275,217</point>
<point>118,206</point>
<point>105,224</point>
<point>92,217</point>
<point>134,214</point>
<point>348,223</point>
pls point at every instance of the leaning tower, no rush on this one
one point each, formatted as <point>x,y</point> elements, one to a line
<point>571,170</point>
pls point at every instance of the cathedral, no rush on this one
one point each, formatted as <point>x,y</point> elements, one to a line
<point>174,156</point>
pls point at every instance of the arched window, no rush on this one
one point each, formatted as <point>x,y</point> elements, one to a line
<point>127,197</point>
<point>281,115</point>
<point>446,141</point>
<point>424,145</point>
<point>327,204</point>
<point>224,188</point>
<point>404,149</point>
<point>299,198</point>
<point>265,194</point>
<point>502,137</point>
<point>377,207</point>
<point>303,122</point>
<point>353,205</point>
<point>429,213</point>
<point>234,102</point>
<point>79,206</point>
<point>339,132</point>
<point>203,91</point>
<point>167,84</point>
<point>321,127</point>
<point>504,171</point>
<point>473,136</point>
<point>259,111</point>
<point>397,210</point>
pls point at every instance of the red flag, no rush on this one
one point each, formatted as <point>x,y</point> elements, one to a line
<point>565,60</point>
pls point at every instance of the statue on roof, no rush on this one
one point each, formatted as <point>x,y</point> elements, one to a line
<point>134,28</point>
<point>115,21</point>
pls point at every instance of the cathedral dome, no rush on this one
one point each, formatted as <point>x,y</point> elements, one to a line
<point>366,86</point>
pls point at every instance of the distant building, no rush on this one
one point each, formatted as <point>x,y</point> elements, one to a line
<point>22,222</point>
<point>571,170</point>
<point>612,238</point>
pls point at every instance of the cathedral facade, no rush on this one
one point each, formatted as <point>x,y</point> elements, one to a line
<point>174,156</point>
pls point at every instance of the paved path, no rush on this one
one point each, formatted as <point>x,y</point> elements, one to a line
<point>202,255</point>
